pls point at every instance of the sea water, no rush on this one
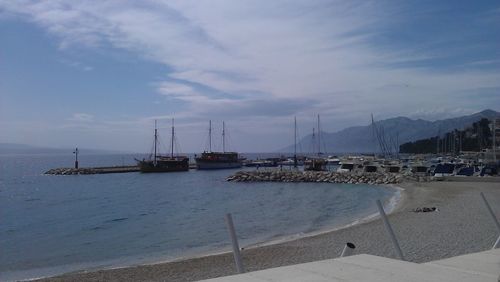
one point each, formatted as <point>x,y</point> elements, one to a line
<point>54,224</point>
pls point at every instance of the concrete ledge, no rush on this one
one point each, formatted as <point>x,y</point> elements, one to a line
<point>478,267</point>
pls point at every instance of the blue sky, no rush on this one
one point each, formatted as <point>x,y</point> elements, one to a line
<point>97,73</point>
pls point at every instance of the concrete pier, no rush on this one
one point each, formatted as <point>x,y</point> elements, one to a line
<point>92,170</point>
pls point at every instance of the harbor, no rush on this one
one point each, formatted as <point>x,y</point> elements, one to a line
<point>421,193</point>
<point>438,158</point>
<point>365,168</point>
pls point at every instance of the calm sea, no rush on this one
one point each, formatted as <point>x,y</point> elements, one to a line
<point>55,224</point>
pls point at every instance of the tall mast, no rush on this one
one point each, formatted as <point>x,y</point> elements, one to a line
<point>210,135</point>
<point>373,139</point>
<point>443,144</point>
<point>460,140</point>
<point>295,143</point>
<point>446,143</point>
<point>223,137</point>
<point>313,141</point>
<point>156,141</point>
<point>494,139</point>
<point>172,142</point>
<point>437,141</point>
<point>451,142</point>
<point>319,138</point>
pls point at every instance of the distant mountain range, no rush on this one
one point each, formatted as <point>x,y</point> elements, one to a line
<point>359,139</point>
<point>14,148</point>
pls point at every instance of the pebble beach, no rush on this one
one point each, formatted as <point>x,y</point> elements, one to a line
<point>461,224</point>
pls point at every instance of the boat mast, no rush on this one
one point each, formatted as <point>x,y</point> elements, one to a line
<point>494,140</point>
<point>156,141</point>
<point>319,139</point>
<point>210,135</point>
<point>172,141</point>
<point>223,137</point>
<point>437,141</point>
<point>295,143</point>
<point>313,141</point>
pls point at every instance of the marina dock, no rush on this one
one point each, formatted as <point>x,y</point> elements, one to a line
<point>98,170</point>
<point>92,170</point>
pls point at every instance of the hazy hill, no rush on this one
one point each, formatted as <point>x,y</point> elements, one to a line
<point>360,138</point>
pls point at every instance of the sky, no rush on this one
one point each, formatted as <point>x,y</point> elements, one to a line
<point>96,74</point>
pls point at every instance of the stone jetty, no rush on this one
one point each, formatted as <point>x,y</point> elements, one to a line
<point>92,170</point>
<point>324,176</point>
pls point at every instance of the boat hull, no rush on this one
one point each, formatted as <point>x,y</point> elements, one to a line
<point>163,166</point>
<point>218,160</point>
<point>217,165</point>
<point>315,165</point>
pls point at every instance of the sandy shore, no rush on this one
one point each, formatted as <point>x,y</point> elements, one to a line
<point>462,225</point>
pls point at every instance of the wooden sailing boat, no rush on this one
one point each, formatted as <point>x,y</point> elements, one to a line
<point>159,163</point>
<point>217,160</point>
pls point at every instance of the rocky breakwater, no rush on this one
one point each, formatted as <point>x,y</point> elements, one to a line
<point>322,176</point>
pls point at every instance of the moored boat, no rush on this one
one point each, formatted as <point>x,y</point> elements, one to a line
<point>444,169</point>
<point>272,162</point>
<point>315,164</point>
<point>218,160</point>
<point>346,167</point>
<point>159,163</point>
<point>333,160</point>
<point>164,164</point>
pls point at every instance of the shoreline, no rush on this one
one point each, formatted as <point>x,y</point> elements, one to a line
<point>369,237</point>
<point>393,203</point>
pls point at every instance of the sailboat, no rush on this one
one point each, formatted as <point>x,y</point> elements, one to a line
<point>159,163</point>
<point>316,163</point>
<point>217,160</point>
<point>296,160</point>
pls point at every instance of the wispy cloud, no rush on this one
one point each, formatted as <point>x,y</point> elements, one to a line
<point>77,65</point>
<point>258,59</point>
<point>81,117</point>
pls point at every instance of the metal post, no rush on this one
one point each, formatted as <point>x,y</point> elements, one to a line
<point>491,211</point>
<point>348,249</point>
<point>234,241</point>
<point>389,230</point>
<point>497,243</point>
